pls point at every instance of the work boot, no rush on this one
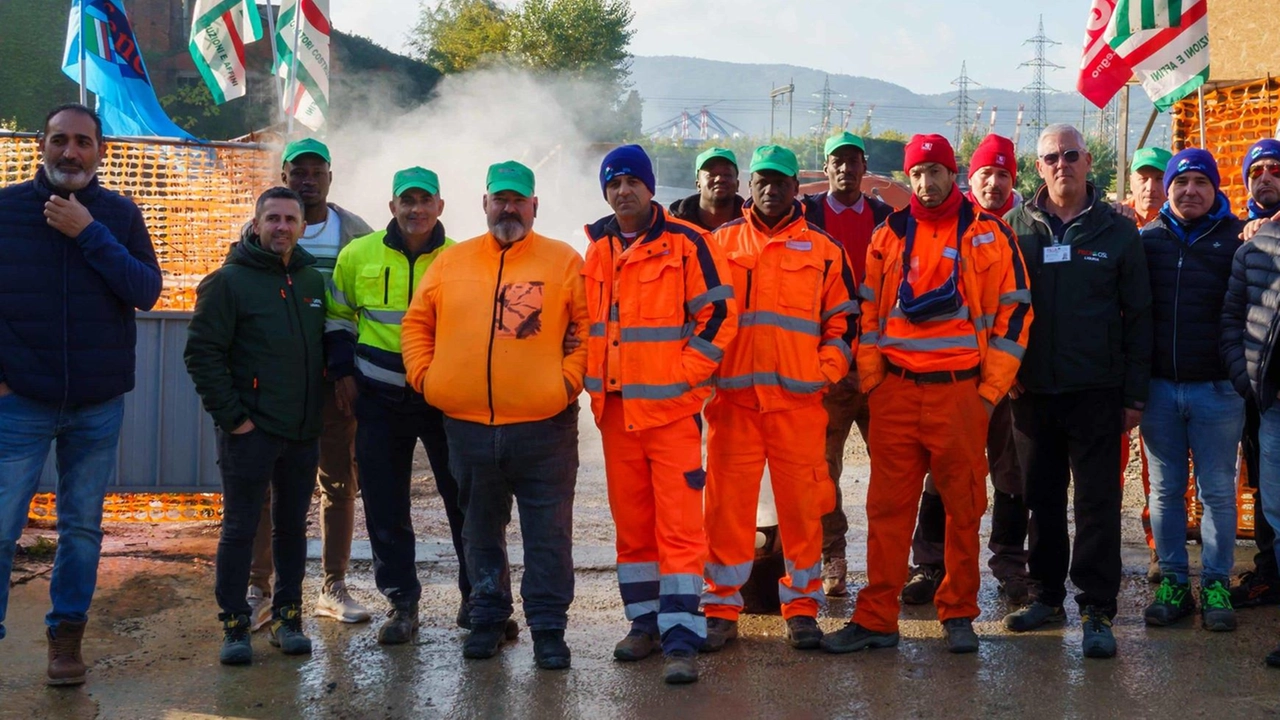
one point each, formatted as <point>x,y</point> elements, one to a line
<point>834,577</point>
<point>400,625</point>
<point>719,633</point>
<point>1035,615</point>
<point>484,640</point>
<point>923,584</point>
<point>1172,603</point>
<point>804,633</point>
<point>1254,590</point>
<point>337,603</point>
<point>550,651</point>
<point>1215,608</point>
<point>637,645</point>
<point>1273,658</point>
<point>680,667</point>
<point>853,637</point>
<point>1098,641</point>
<point>1016,589</point>
<point>464,614</point>
<point>286,631</point>
<point>1154,574</point>
<point>66,666</point>
<point>236,649</point>
<point>961,638</point>
<point>259,608</point>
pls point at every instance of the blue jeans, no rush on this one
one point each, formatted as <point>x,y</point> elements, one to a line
<point>1205,418</point>
<point>1269,467</point>
<point>88,450</point>
<point>536,463</point>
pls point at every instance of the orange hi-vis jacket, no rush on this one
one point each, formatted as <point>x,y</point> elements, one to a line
<point>662,312</point>
<point>483,339</point>
<point>993,285</point>
<point>797,322</point>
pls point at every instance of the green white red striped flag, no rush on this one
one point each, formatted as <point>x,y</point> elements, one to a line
<point>1165,42</point>
<point>219,31</point>
<point>306,95</point>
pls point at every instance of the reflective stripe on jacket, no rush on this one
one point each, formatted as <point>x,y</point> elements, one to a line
<point>993,280</point>
<point>662,312</point>
<point>797,327</point>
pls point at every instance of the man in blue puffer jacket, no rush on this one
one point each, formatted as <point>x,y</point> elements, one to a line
<point>75,261</point>
<point>1191,406</point>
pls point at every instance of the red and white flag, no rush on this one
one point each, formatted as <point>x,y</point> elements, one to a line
<point>1165,43</point>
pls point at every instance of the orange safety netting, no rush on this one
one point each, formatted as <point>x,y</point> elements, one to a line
<point>195,198</point>
<point>1235,117</point>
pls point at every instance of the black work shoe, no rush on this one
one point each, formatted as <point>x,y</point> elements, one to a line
<point>1255,590</point>
<point>853,637</point>
<point>719,633</point>
<point>286,631</point>
<point>484,640</point>
<point>1273,658</point>
<point>637,645</point>
<point>1035,615</point>
<point>1172,603</point>
<point>400,625</point>
<point>923,584</point>
<point>1154,575</point>
<point>1098,641</point>
<point>960,636</point>
<point>680,667</point>
<point>1216,612</point>
<point>464,615</point>
<point>550,651</point>
<point>236,649</point>
<point>1016,589</point>
<point>804,633</point>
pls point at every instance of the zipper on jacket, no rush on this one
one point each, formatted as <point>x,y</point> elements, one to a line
<point>306,356</point>
<point>1177,292</point>
<point>493,329</point>
<point>386,285</point>
<point>747,304</point>
<point>66,325</point>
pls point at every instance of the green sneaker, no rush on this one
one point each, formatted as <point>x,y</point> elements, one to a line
<point>1216,611</point>
<point>1172,603</point>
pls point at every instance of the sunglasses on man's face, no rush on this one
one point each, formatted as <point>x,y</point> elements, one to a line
<point>1256,171</point>
<point>1069,156</point>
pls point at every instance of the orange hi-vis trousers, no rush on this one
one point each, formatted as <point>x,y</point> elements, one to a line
<point>919,428</point>
<point>655,480</point>
<point>739,441</point>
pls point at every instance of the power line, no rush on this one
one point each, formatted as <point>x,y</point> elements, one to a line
<point>961,103</point>
<point>1038,88</point>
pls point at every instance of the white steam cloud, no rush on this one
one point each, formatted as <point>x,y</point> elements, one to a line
<point>475,120</point>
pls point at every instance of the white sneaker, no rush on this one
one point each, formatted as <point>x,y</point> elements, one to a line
<point>259,608</point>
<point>338,604</point>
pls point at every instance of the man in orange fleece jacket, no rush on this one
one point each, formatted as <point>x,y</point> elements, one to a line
<point>483,341</point>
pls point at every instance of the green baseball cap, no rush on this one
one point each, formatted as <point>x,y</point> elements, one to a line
<point>306,146</point>
<point>415,177</point>
<point>776,158</point>
<point>509,175</point>
<point>844,139</point>
<point>1150,157</point>
<point>711,154</point>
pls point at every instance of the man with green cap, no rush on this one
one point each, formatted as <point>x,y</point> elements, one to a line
<point>849,216</point>
<point>717,200</point>
<point>483,342</point>
<point>329,228</point>
<point>1146,179</point>
<point>373,284</point>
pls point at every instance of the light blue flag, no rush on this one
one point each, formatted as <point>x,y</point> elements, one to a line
<point>114,70</point>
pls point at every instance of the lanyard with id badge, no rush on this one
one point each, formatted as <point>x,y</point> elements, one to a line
<point>1057,253</point>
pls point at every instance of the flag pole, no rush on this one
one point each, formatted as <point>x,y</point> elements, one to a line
<point>275,56</point>
<point>84,99</point>
<point>293,65</point>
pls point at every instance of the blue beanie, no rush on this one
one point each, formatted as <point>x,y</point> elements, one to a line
<point>1192,160</point>
<point>627,160</point>
<point>1265,148</point>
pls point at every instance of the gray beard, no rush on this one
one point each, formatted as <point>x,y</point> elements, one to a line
<point>68,180</point>
<point>509,231</point>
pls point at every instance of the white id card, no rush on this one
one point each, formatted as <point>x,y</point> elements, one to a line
<point>1057,254</point>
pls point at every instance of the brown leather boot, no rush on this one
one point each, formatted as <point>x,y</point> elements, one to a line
<point>66,667</point>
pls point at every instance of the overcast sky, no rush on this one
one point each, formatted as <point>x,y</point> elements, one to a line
<point>918,44</point>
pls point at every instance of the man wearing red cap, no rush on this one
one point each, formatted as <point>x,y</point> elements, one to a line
<point>945,314</point>
<point>993,173</point>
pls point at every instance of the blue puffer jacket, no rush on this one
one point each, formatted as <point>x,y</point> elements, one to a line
<point>67,304</point>
<point>1189,265</point>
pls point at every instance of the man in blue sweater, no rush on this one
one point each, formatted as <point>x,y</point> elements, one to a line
<point>75,261</point>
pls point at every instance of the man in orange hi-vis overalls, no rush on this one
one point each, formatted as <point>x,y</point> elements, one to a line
<point>945,313</point>
<point>796,334</point>
<point>662,312</point>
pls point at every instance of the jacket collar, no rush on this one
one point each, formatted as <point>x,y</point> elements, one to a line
<point>608,227</point>
<point>248,251</point>
<point>394,239</point>
<point>86,194</point>
<point>789,225</point>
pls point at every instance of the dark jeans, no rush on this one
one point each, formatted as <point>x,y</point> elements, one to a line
<point>250,463</point>
<point>845,406</point>
<point>537,464</point>
<point>1264,561</point>
<point>385,440</point>
<point>1058,436</point>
